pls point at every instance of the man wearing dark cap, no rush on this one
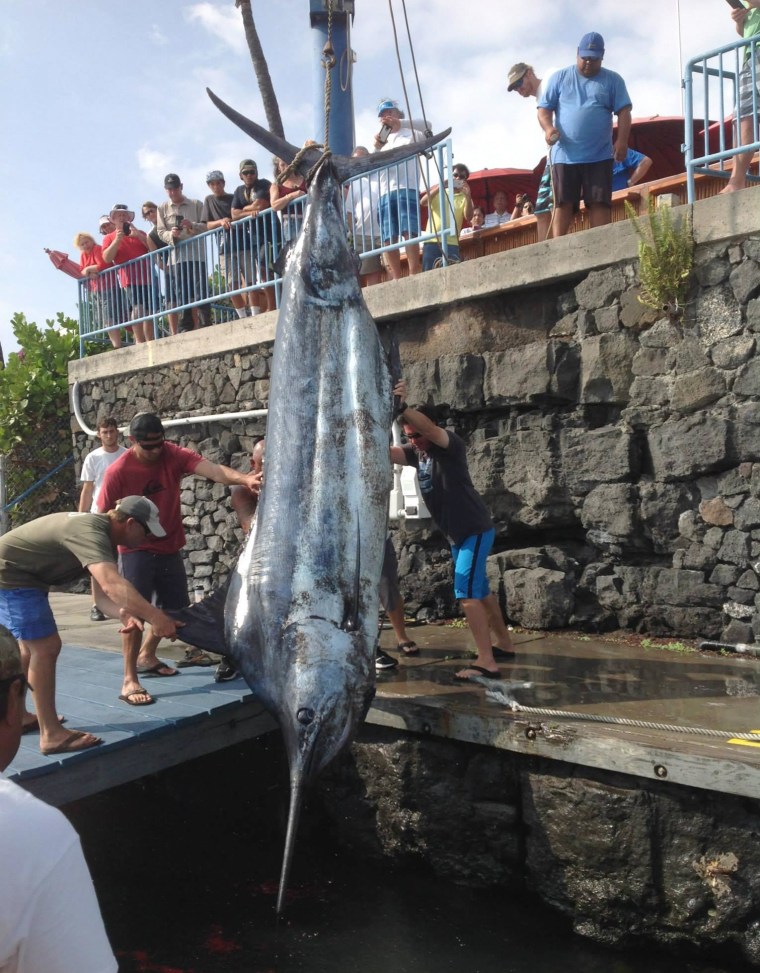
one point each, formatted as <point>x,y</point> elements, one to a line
<point>217,214</point>
<point>155,468</point>
<point>178,224</point>
<point>575,111</point>
<point>522,79</point>
<point>54,550</point>
<point>49,915</point>
<point>250,199</point>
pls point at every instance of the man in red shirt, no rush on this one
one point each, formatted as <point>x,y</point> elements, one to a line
<point>154,468</point>
<point>127,243</point>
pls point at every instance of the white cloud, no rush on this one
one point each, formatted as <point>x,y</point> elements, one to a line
<point>224,23</point>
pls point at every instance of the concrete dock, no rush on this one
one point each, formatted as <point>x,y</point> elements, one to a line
<point>624,705</point>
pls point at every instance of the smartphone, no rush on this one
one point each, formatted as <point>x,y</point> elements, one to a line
<point>385,131</point>
<point>457,184</point>
<point>736,4</point>
<point>126,228</point>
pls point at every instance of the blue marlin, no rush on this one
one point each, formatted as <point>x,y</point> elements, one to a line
<point>302,608</point>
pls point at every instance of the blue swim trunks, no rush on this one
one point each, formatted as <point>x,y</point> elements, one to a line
<point>399,214</point>
<point>26,612</point>
<point>470,579</point>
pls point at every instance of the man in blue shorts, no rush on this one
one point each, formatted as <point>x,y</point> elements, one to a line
<point>459,511</point>
<point>54,550</point>
<point>399,189</point>
<point>575,111</point>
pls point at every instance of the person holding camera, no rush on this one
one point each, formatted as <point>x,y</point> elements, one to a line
<point>179,222</point>
<point>523,206</point>
<point>450,223</point>
<point>127,243</point>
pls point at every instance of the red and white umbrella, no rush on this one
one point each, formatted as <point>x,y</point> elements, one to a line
<point>62,262</point>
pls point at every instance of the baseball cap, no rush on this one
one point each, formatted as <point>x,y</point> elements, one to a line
<point>516,72</point>
<point>122,208</point>
<point>145,424</point>
<point>103,220</point>
<point>591,45</point>
<point>172,181</point>
<point>386,105</point>
<point>247,165</point>
<point>144,511</point>
<point>10,657</point>
<point>214,176</point>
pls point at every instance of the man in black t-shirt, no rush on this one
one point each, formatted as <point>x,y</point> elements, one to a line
<point>459,511</point>
<point>249,200</point>
<point>217,212</point>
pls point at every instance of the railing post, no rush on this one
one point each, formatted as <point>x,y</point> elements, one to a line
<point>688,101</point>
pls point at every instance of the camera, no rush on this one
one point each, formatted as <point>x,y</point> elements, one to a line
<point>457,183</point>
<point>126,229</point>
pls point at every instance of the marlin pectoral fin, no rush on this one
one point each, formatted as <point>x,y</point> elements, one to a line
<point>345,166</point>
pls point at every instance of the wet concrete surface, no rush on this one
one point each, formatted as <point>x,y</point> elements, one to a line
<point>592,677</point>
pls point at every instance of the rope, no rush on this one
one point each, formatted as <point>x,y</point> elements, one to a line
<point>328,61</point>
<point>428,133</point>
<point>498,696</point>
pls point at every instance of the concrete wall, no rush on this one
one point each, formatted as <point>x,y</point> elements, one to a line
<point>619,453</point>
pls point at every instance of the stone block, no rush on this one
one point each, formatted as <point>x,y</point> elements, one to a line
<point>538,598</point>
<point>611,507</point>
<point>600,288</point>
<point>748,514</point>
<point>516,375</point>
<point>607,319</point>
<point>745,281</point>
<point>735,548</point>
<point>695,390</point>
<point>653,361</point>
<point>746,432</point>
<point>732,352</point>
<point>685,448</point>
<point>718,314</point>
<point>593,456</point>
<point>606,372</point>
<point>716,512</point>
<point>460,381</point>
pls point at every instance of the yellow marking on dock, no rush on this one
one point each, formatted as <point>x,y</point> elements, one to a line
<point>746,743</point>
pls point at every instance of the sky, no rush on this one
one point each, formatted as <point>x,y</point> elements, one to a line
<point>102,99</point>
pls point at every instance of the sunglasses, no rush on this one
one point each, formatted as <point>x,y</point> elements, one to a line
<point>150,446</point>
<point>414,435</point>
<point>518,84</point>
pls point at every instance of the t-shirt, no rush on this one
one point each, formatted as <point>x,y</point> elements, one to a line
<point>454,503</point>
<point>54,550</point>
<point>94,469</point>
<point>402,175</point>
<point>129,249</point>
<point>621,171</point>
<point>242,238</point>
<point>434,209</point>
<point>583,109</point>
<point>217,208</point>
<point>158,482</point>
<point>50,921</point>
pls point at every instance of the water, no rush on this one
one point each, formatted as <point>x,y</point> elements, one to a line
<point>186,865</point>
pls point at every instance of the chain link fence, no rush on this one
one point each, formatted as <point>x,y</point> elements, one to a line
<point>38,477</point>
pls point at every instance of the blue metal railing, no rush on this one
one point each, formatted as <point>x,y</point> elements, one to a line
<point>718,69</point>
<point>218,264</point>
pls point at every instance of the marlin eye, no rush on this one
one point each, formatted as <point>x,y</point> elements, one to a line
<point>305,716</point>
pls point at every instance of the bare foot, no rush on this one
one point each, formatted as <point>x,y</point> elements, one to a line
<point>134,695</point>
<point>730,188</point>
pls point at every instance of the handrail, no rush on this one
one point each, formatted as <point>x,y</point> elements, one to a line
<point>728,72</point>
<point>188,266</point>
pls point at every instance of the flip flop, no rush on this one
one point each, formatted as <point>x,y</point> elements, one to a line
<point>485,673</point>
<point>409,648</point>
<point>195,657</point>
<point>502,653</point>
<point>156,670</point>
<point>76,741</point>
<point>127,698</point>
<point>34,725</point>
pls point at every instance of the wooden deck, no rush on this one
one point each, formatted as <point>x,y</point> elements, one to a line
<point>194,716</point>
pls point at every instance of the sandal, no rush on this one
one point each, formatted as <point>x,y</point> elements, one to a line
<point>409,648</point>
<point>195,657</point>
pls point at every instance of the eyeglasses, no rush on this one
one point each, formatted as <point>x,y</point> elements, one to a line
<point>151,445</point>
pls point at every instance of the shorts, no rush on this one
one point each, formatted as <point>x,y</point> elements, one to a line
<point>390,596</point>
<point>140,298</point>
<point>545,197</point>
<point>186,282</point>
<point>159,578</point>
<point>470,580</point>
<point>745,86</point>
<point>432,255</point>
<point>399,215</point>
<point>109,306</point>
<point>237,267</point>
<point>26,613</point>
<point>590,180</point>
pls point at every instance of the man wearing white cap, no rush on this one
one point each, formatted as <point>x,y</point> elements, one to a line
<point>575,111</point>
<point>126,243</point>
<point>49,915</point>
<point>399,189</point>
<point>54,550</point>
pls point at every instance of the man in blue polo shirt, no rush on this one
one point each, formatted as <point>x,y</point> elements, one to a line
<point>575,111</point>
